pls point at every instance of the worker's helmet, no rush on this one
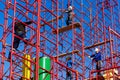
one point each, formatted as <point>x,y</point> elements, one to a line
<point>70,8</point>
<point>96,49</point>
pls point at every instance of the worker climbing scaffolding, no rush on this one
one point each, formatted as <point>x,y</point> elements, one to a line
<point>19,31</point>
<point>97,58</point>
<point>69,65</point>
<point>69,12</point>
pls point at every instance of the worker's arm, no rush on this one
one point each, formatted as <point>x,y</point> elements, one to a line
<point>28,22</point>
<point>66,11</point>
<point>92,56</point>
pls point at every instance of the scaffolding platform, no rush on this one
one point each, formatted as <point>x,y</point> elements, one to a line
<point>66,28</point>
<point>64,54</point>
<point>98,44</point>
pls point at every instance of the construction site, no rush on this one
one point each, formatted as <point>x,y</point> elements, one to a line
<point>60,39</point>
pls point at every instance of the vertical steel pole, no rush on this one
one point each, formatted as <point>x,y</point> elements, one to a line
<point>38,40</point>
<point>13,24</point>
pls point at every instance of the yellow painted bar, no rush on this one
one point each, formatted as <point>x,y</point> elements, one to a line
<point>111,74</point>
<point>26,67</point>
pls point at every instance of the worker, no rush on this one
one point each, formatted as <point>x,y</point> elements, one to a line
<point>69,65</point>
<point>69,12</point>
<point>97,58</point>
<point>20,31</point>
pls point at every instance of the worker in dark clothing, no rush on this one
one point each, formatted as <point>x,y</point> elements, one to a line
<point>69,65</point>
<point>97,58</point>
<point>69,12</point>
<point>20,32</point>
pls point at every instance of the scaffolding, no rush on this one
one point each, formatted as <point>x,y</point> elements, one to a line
<point>95,23</point>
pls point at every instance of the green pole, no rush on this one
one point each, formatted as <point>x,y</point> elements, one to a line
<point>45,63</point>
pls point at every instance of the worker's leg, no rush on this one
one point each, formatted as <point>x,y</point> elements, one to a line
<point>70,22</point>
<point>21,35</point>
<point>67,22</point>
<point>98,67</point>
<point>15,45</point>
<point>16,42</point>
<point>69,75</point>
